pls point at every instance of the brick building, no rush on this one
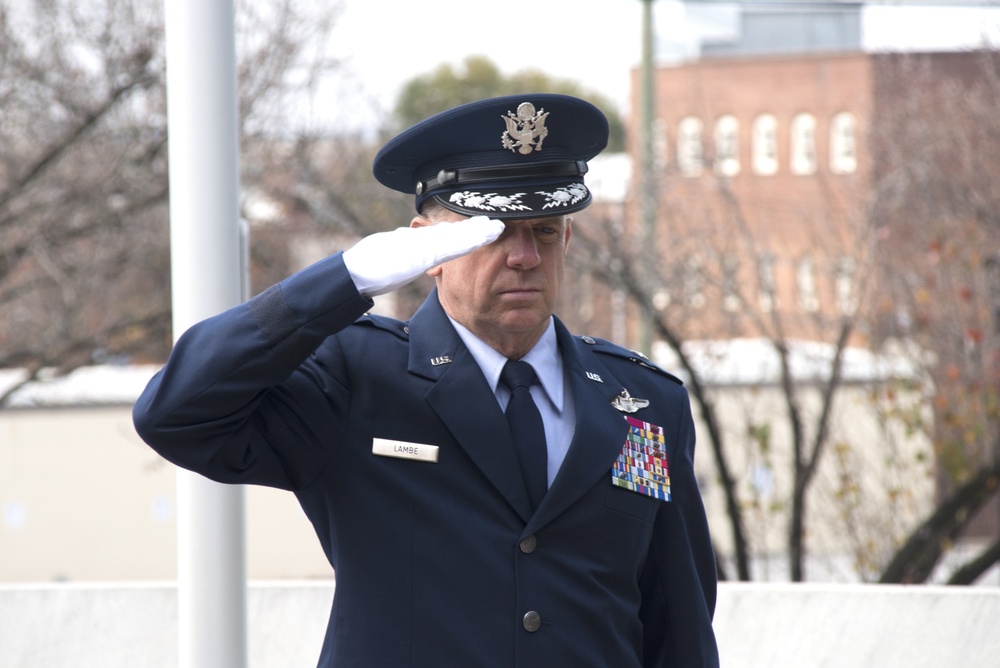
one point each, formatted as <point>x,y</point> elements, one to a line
<point>762,175</point>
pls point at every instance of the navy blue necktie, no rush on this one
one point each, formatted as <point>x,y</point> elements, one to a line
<point>526,427</point>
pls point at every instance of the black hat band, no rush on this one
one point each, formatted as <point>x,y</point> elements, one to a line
<point>450,178</point>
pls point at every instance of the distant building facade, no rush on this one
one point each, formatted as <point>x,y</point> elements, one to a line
<point>787,197</point>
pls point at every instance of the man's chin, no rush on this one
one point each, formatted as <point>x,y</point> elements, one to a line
<point>524,319</point>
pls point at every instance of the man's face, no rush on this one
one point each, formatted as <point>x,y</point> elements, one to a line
<point>505,292</point>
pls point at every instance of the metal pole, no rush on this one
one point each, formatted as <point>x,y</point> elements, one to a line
<point>647,172</point>
<point>205,266</point>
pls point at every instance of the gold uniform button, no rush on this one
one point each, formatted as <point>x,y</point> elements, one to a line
<point>532,621</point>
<point>529,544</point>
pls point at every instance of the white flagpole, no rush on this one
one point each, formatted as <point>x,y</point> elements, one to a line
<point>206,279</point>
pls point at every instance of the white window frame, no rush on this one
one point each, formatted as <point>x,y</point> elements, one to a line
<point>764,146</point>
<point>731,300</point>
<point>843,143</point>
<point>661,146</point>
<point>690,157</point>
<point>847,299</point>
<point>727,154</point>
<point>766,282</point>
<point>805,281</point>
<point>803,145</point>
<point>693,282</point>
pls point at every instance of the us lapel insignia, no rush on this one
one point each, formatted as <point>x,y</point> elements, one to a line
<point>438,361</point>
<point>595,377</point>
<point>626,403</point>
<point>641,466</point>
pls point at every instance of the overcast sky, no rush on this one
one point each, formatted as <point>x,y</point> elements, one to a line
<point>595,42</point>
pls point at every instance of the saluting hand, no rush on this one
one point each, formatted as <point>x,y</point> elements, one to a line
<point>385,261</point>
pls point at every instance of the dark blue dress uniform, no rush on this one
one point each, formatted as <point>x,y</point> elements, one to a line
<point>439,559</point>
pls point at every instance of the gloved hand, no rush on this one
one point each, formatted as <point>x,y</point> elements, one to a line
<point>385,261</point>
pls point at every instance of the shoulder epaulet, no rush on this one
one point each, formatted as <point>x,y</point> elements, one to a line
<point>607,348</point>
<point>384,323</point>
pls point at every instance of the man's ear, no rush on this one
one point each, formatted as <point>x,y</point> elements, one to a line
<point>569,233</point>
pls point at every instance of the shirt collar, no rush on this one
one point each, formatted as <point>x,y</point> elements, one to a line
<point>544,358</point>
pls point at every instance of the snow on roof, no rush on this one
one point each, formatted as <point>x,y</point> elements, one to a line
<point>756,362</point>
<point>107,385</point>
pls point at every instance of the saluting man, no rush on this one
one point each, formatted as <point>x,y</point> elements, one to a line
<point>489,489</point>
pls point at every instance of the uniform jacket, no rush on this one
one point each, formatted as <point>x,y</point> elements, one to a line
<point>443,563</point>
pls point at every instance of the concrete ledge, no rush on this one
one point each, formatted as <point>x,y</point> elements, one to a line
<point>857,626</point>
<point>116,625</point>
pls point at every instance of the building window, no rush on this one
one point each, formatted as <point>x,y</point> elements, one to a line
<point>661,299</point>
<point>694,282</point>
<point>803,144</point>
<point>727,159</point>
<point>805,281</point>
<point>689,153</point>
<point>660,146</point>
<point>731,300</point>
<point>847,301</point>
<point>765,144</point>
<point>765,280</point>
<point>843,144</point>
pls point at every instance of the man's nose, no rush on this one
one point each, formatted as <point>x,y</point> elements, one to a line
<point>522,251</point>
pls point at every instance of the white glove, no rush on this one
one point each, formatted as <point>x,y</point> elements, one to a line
<point>385,261</point>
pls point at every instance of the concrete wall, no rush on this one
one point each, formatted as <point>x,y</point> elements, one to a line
<point>121,625</point>
<point>857,626</point>
<point>83,499</point>
<point>778,626</point>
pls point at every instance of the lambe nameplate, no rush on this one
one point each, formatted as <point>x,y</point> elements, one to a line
<point>421,452</point>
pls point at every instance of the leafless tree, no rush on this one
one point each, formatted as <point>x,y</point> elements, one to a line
<point>84,269</point>
<point>939,238</point>
<point>700,280</point>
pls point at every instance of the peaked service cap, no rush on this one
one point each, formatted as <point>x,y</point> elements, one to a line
<point>518,156</point>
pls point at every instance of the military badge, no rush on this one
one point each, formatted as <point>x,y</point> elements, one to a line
<point>626,403</point>
<point>642,464</point>
<point>525,130</point>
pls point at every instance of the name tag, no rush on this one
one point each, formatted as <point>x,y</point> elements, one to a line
<point>405,450</point>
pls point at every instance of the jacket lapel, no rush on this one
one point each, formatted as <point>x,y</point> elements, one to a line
<point>462,398</point>
<point>600,429</point>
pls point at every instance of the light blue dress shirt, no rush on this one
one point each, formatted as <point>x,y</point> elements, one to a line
<point>550,395</point>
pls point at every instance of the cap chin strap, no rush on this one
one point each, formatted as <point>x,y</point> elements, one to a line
<point>453,177</point>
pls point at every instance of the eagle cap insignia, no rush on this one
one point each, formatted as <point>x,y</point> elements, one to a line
<point>626,403</point>
<point>525,129</point>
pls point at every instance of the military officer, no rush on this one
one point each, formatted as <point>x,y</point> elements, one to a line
<point>490,489</point>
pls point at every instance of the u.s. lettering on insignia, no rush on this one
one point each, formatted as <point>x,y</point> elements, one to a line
<point>641,466</point>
